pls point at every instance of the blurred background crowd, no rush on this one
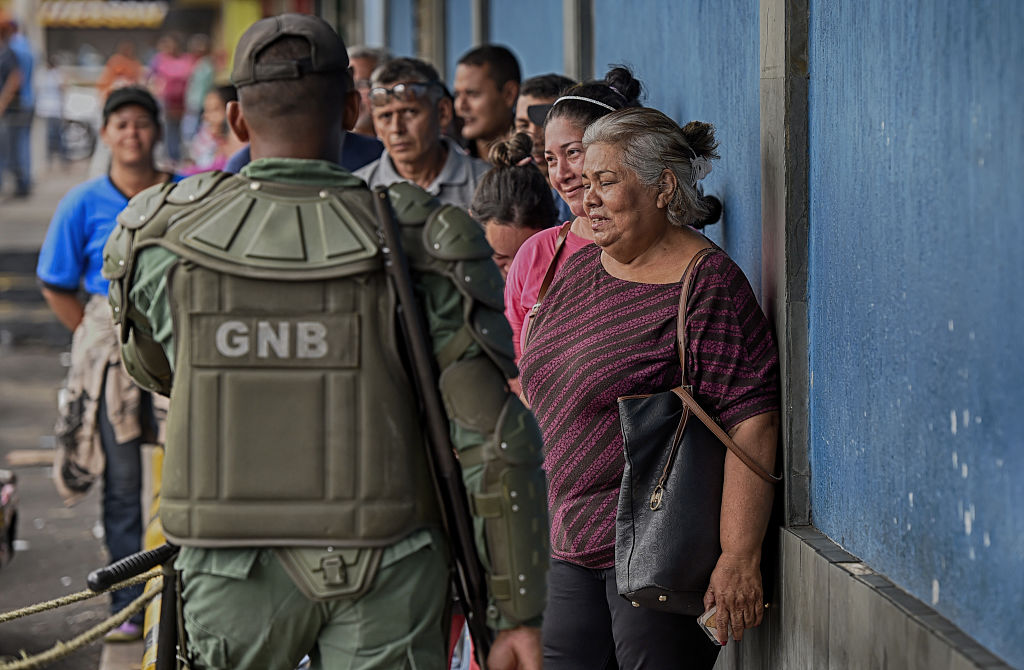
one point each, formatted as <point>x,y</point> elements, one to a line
<point>61,59</point>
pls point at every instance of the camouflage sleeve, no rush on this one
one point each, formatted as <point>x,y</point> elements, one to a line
<point>496,437</point>
<point>148,298</point>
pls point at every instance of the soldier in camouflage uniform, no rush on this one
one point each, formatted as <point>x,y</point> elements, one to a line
<point>295,476</point>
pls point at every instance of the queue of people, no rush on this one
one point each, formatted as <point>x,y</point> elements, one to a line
<point>547,226</point>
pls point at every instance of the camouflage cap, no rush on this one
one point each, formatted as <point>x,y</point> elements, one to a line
<point>327,52</point>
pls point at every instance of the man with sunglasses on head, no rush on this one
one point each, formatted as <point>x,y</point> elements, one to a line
<point>410,109</point>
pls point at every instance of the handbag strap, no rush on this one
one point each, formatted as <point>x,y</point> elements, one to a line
<point>549,276</point>
<point>688,400</point>
<point>684,297</point>
<point>691,404</point>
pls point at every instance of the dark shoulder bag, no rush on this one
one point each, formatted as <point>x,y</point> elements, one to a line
<point>667,524</point>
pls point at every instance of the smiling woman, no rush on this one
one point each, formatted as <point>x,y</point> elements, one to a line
<point>607,329</point>
<point>544,253</point>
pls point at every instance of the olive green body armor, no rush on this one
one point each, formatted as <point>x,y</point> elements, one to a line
<point>293,421</point>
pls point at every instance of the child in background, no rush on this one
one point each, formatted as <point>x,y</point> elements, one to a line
<point>214,144</point>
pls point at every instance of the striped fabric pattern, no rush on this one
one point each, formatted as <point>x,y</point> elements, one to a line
<point>597,338</point>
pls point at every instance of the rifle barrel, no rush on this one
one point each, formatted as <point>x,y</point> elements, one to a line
<point>470,579</point>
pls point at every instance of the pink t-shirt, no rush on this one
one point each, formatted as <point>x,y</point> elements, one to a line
<point>170,80</point>
<point>526,274</point>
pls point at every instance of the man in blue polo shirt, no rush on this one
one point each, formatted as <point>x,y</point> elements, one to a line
<point>105,418</point>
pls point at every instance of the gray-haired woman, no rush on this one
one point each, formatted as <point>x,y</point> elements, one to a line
<point>607,329</point>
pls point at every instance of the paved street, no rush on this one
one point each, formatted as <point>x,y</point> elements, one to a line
<point>57,545</point>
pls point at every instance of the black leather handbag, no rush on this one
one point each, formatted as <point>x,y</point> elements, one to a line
<point>667,523</point>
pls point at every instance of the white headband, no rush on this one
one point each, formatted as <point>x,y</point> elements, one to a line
<point>580,97</point>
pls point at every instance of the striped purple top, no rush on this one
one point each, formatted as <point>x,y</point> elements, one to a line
<point>597,338</point>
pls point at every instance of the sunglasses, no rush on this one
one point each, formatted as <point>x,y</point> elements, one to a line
<point>400,92</point>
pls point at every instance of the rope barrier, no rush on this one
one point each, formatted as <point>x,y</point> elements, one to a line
<point>75,597</point>
<point>62,649</point>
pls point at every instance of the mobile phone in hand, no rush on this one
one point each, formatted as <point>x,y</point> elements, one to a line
<point>707,623</point>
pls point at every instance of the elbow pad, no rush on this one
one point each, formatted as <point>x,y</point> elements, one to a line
<point>511,496</point>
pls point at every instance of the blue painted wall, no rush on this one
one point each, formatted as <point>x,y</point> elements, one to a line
<point>401,20</point>
<point>458,34</point>
<point>533,30</point>
<point>374,26</point>
<point>917,199</point>
<point>699,60</point>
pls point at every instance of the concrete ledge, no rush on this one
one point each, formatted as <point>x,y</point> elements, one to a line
<point>834,612</point>
<point>121,656</point>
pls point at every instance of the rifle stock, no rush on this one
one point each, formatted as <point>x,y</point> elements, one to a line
<point>470,579</point>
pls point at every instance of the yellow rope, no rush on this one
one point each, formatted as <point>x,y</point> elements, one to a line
<point>62,649</point>
<point>76,597</point>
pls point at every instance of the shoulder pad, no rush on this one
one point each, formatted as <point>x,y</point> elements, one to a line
<point>195,187</point>
<point>144,205</point>
<point>452,235</point>
<point>411,203</point>
<point>115,253</point>
<point>272,230</point>
<point>141,212</point>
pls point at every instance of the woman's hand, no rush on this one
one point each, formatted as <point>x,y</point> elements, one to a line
<point>746,504</point>
<point>736,589</point>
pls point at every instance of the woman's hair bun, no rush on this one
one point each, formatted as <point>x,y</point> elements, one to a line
<point>701,138</point>
<point>511,151</point>
<point>714,207</point>
<point>625,84</point>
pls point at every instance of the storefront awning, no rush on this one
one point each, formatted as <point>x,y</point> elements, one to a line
<point>101,14</point>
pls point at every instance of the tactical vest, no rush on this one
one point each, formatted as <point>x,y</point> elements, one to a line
<point>293,421</point>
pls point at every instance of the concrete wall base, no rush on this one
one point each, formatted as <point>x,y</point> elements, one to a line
<point>834,612</point>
